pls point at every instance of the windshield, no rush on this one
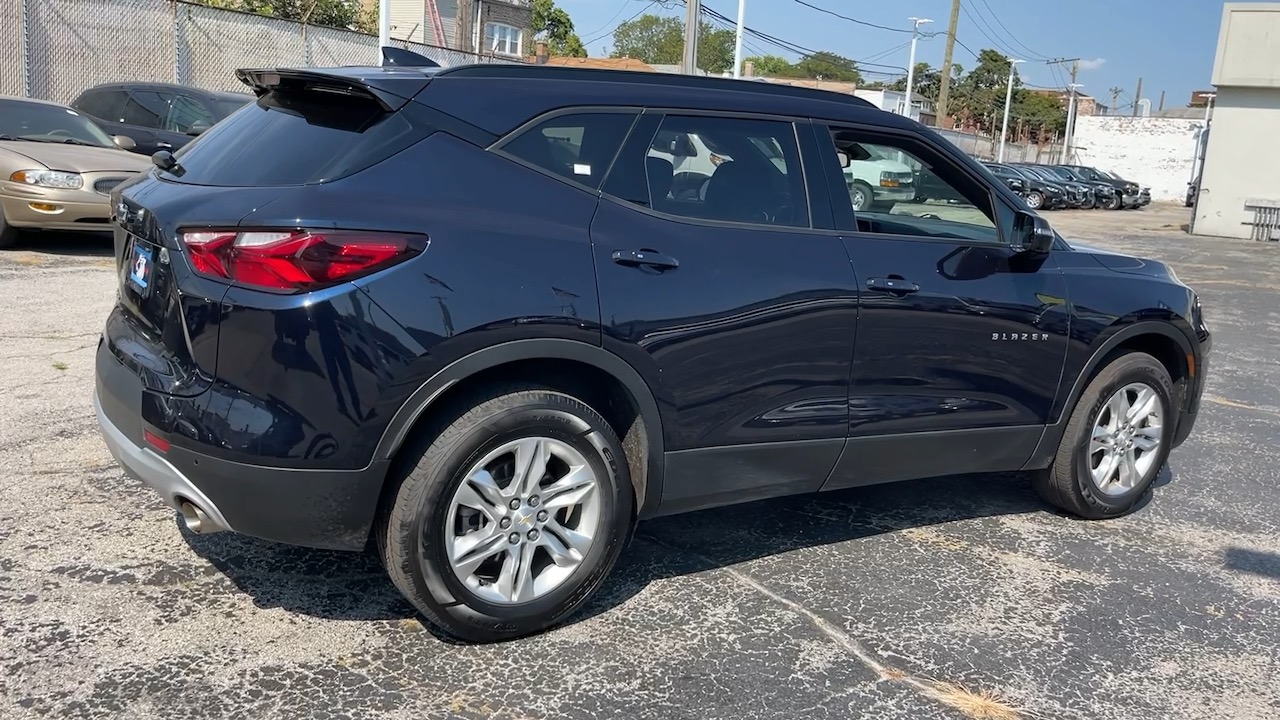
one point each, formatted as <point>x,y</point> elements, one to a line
<point>1069,174</point>
<point>40,122</point>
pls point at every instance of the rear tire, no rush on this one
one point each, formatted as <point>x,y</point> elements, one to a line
<point>1082,479</point>
<point>8,233</point>
<point>424,528</point>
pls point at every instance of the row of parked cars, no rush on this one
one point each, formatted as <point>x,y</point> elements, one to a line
<point>1076,187</point>
<point>58,163</point>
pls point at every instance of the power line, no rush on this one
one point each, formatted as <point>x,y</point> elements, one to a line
<point>998,45</point>
<point>609,22</point>
<point>885,53</point>
<point>791,46</point>
<point>852,20</point>
<point>615,27</point>
<point>995,16</point>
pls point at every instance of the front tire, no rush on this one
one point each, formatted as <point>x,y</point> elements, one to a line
<point>508,518</point>
<point>1116,440</point>
<point>861,196</point>
<point>1115,202</point>
<point>1035,200</point>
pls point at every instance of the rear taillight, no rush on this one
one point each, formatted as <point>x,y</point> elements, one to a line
<point>295,259</point>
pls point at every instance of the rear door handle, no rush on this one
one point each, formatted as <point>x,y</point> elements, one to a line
<point>892,284</point>
<point>650,258</point>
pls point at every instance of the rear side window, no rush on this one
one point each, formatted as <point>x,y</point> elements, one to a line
<point>185,113</point>
<point>577,147</point>
<point>299,137</point>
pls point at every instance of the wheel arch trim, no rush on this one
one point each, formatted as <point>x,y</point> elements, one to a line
<point>1053,432</point>
<point>404,419</point>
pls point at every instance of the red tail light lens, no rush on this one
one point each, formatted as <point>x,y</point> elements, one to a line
<point>295,259</point>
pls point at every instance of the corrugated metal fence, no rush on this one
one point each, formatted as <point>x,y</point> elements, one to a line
<point>54,49</point>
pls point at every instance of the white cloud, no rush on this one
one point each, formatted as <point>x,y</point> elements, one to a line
<point>1094,64</point>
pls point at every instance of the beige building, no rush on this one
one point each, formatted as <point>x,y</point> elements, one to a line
<point>1240,182</point>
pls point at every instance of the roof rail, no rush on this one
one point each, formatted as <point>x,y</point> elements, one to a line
<point>646,78</point>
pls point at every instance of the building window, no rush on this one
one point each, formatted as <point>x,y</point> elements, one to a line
<point>503,39</point>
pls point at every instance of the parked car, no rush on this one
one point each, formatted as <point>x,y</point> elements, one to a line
<point>157,116</point>
<point>56,169</point>
<point>1105,195</point>
<point>1039,194</point>
<point>1193,189</point>
<point>422,316</point>
<point>1144,192</point>
<point>1130,192</point>
<point>1079,196</point>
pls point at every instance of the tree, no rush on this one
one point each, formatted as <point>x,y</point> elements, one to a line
<point>554,25</point>
<point>329,13</point>
<point>771,66</point>
<point>1039,110</point>
<point>979,95</point>
<point>828,66</point>
<point>660,41</point>
<point>927,81</point>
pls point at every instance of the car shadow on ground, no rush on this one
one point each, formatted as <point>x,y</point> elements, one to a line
<point>353,586</point>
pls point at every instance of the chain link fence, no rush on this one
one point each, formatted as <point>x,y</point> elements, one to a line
<point>55,49</point>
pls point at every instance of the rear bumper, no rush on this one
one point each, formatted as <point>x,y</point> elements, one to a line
<point>331,509</point>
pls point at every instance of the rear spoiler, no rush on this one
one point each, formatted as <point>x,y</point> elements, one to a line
<point>391,85</point>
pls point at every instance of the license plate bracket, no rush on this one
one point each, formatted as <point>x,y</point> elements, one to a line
<point>140,267</point>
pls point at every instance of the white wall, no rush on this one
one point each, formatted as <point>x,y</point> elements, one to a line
<point>1242,161</point>
<point>1152,151</point>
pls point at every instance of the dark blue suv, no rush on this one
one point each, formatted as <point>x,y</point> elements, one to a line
<point>490,317</point>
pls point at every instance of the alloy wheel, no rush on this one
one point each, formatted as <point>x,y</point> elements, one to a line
<point>1126,439</point>
<point>523,520</point>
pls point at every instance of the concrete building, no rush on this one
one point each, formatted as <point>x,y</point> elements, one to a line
<point>922,109</point>
<point>1240,181</point>
<point>498,27</point>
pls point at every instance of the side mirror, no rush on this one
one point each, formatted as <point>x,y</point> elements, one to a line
<point>198,127</point>
<point>1016,185</point>
<point>1032,233</point>
<point>844,159</point>
<point>124,142</point>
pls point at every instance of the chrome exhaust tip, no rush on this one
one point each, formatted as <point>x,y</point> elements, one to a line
<point>196,520</point>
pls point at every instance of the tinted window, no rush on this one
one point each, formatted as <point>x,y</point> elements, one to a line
<point>578,147</point>
<point>186,112</point>
<point>297,138</point>
<point>224,106</point>
<point>146,109</point>
<point>103,104</point>
<point>899,187</point>
<point>727,169</point>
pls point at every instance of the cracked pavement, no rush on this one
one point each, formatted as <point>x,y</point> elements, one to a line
<point>857,604</point>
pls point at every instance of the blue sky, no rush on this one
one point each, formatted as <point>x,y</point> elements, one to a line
<point>1169,43</point>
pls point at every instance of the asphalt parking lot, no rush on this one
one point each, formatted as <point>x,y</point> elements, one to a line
<point>939,599</point>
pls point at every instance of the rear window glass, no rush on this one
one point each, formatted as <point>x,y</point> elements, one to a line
<point>298,138</point>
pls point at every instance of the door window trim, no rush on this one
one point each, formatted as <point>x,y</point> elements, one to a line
<point>661,113</point>
<point>826,126</point>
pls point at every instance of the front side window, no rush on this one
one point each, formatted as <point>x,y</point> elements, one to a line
<point>578,147</point>
<point>727,169</point>
<point>102,104</point>
<point>187,112</point>
<point>503,39</point>
<point>148,109</point>
<point>899,187</point>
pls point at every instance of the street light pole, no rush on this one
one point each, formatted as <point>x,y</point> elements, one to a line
<point>384,23</point>
<point>737,42</point>
<point>1071,121</point>
<point>911,63</point>
<point>1008,100</point>
<point>692,23</point>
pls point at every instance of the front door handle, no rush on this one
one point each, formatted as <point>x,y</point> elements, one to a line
<point>645,257</point>
<point>892,284</point>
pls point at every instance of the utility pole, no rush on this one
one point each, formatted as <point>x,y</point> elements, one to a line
<point>1115,97</point>
<point>1071,121</point>
<point>944,88</point>
<point>1161,101</point>
<point>1008,100</point>
<point>737,42</point>
<point>692,23</point>
<point>1137,97</point>
<point>911,63</point>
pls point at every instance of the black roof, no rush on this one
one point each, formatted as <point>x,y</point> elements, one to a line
<point>529,90</point>
<point>170,87</point>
